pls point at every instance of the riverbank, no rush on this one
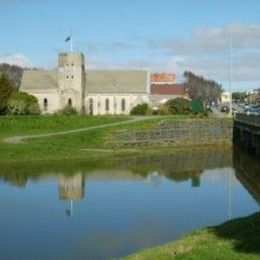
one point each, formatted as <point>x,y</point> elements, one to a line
<point>62,138</point>
<point>235,239</point>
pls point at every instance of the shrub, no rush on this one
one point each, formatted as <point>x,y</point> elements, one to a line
<point>67,111</point>
<point>164,109</point>
<point>21,103</point>
<point>141,109</point>
<point>179,106</point>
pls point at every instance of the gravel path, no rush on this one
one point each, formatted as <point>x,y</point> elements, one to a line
<point>22,138</point>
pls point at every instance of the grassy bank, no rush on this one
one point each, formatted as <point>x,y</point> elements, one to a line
<point>87,144</point>
<point>26,125</point>
<point>236,239</point>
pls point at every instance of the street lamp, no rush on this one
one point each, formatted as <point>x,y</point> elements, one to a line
<point>252,28</point>
<point>230,69</point>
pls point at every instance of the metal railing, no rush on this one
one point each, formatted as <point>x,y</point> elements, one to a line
<point>250,119</point>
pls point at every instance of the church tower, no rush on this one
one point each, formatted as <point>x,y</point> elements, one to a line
<point>71,80</point>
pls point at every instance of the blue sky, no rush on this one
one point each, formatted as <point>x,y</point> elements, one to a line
<point>165,35</point>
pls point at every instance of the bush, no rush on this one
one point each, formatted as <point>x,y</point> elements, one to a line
<point>164,110</point>
<point>67,111</point>
<point>21,103</point>
<point>141,109</point>
<point>179,106</point>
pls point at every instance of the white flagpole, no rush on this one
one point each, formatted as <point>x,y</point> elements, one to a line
<point>71,41</point>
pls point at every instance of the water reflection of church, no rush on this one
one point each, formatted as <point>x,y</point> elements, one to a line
<point>71,188</point>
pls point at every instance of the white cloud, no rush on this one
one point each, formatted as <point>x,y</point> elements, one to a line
<point>211,40</point>
<point>17,59</point>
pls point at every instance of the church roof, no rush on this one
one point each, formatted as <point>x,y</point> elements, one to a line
<point>97,81</point>
<point>39,79</point>
<point>116,81</point>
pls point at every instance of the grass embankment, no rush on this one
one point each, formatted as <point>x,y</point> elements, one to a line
<point>68,146</point>
<point>236,239</point>
<point>26,125</point>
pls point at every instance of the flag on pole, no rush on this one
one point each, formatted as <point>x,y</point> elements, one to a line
<point>68,39</point>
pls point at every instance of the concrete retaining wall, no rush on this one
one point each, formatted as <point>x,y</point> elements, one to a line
<point>179,132</point>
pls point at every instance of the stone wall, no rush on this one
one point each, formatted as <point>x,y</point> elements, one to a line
<point>179,132</point>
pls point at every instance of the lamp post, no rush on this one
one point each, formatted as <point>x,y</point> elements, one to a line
<point>252,28</point>
<point>230,69</point>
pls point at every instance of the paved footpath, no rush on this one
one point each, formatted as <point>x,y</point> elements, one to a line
<point>22,138</point>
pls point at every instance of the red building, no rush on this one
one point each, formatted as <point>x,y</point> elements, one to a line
<point>168,89</point>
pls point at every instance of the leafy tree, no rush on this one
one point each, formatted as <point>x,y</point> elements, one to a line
<point>208,91</point>
<point>141,109</point>
<point>21,103</point>
<point>239,96</point>
<point>13,72</point>
<point>6,89</point>
<point>179,106</point>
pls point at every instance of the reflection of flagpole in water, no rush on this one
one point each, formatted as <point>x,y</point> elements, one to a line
<point>229,196</point>
<point>70,211</point>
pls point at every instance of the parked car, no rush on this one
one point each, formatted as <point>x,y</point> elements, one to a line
<point>224,109</point>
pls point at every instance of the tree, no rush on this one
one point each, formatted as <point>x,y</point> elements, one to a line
<point>207,91</point>
<point>179,106</point>
<point>13,72</point>
<point>239,96</point>
<point>21,103</point>
<point>6,89</point>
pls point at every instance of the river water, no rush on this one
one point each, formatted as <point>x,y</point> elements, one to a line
<point>108,209</point>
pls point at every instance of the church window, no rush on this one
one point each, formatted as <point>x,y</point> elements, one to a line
<point>45,104</point>
<point>72,77</point>
<point>123,105</point>
<point>67,77</point>
<point>72,64</point>
<point>69,102</point>
<point>107,104</point>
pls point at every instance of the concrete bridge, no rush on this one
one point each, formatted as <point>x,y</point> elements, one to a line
<point>246,132</point>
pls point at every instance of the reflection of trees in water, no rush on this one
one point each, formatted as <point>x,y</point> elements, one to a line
<point>179,165</point>
<point>182,164</point>
<point>247,169</point>
<point>16,179</point>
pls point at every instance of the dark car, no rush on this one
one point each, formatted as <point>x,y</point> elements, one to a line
<point>224,109</point>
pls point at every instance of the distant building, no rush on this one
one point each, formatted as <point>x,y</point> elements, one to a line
<point>162,78</point>
<point>164,88</point>
<point>97,92</point>
<point>226,97</point>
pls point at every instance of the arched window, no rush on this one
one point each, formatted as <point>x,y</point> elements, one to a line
<point>91,106</point>
<point>123,105</point>
<point>69,102</point>
<point>107,104</point>
<point>45,104</point>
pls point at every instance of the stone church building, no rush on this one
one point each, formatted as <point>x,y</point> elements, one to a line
<point>95,92</point>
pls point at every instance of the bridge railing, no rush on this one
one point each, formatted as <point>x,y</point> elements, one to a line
<point>248,119</point>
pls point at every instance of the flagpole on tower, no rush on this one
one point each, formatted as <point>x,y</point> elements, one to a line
<point>71,41</point>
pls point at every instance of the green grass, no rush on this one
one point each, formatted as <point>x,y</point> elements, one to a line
<point>236,239</point>
<point>25,125</point>
<point>69,146</point>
